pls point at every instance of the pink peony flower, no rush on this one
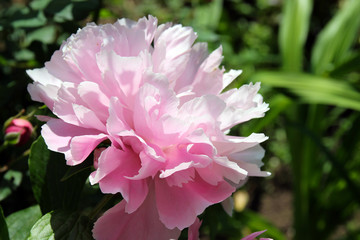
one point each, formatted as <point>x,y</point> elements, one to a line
<point>20,129</point>
<point>159,99</point>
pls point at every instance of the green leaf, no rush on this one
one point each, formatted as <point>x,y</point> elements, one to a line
<point>39,4</point>
<point>333,43</point>
<point>24,55</point>
<point>69,10</point>
<point>21,222</point>
<point>4,234</point>
<point>45,35</point>
<point>47,168</point>
<point>66,14</point>
<point>352,64</point>
<point>293,32</point>
<point>72,171</point>
<point>31,19</point>
<point>313,89</point>
<point>208,16</point>
<point>9,183</point>
<point>62,225</point>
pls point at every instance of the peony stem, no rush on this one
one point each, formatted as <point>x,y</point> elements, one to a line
<point>100,206</point>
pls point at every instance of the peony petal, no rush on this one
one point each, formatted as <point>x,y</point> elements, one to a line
<point>82,146</point>
<point>150,156</point>
<point>144,223</point>
<point>228,205</point>
<point>63,107</point>
<point>208,79</point>
<point>172,50</point>
<point>197,55</point>
<point>58,135</point>
<point>254,235</point>
<point>61,69</point>
<point>193,233</point>
<point>243,104</point>
<point>139,34</point>
<point>87,118</point>
<point>46,94</point>
<point>230,76</point>
<point>45,86</point>
<point>231,144</point>
<point>122,75</point>
<point>96,100</point>
<point>230,170</point>
<point>114,166</point>
<point>154,103</point>
<point>250,160</point>
<point>203,112</point>
<point>79,52</point>
<point>42,76</point>
<point>190,200</point>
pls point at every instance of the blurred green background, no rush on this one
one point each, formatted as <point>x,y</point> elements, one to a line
<point>305,54</point>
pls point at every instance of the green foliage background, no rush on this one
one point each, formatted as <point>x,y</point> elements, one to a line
<point>306,55</point>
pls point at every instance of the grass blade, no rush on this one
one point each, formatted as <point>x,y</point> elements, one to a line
<point>293,32</point>
<point>333,43</point>
<point>313,89</point>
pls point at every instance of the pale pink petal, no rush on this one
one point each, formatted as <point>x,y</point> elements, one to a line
<point>43,118</point>
<point>114,166</point>
<point>197,55</point>
<point>153,104</point>
<point>87,118</point>
<point>230,76</point>
<point>41,93</point>
<point>79,52</point>
<point>193,233</point>
<point>230,144</point>
<point>120,118</point>
<point>185,157</point>
<point>243,104</point>
<point>254,235</point>
<point>151,162</point>
<point>96,100</point>
<point>58,135</point>
<point>190,200</point>
<point>144,223</point>
<point>139,34</point>
<point>172,50</point>
<point>175,40</point>
<point>228,205</point>
<point>82,146</point>
<point>151,157</point>
<point>203,112</point>
<point>208,79</point>
<point>250,160</point>
<point>122,76</point>
<point>63,107</point>
<point>97,153</point>
<point>42,76</point>
<point>61,69</point>
<point>229,169</point>
<point>179,175</point>
<point>45,86</point>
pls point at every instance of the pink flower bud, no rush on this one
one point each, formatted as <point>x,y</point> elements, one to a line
<point>19,131</point>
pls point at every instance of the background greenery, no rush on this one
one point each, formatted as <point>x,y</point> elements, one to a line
<point>306,55</point>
